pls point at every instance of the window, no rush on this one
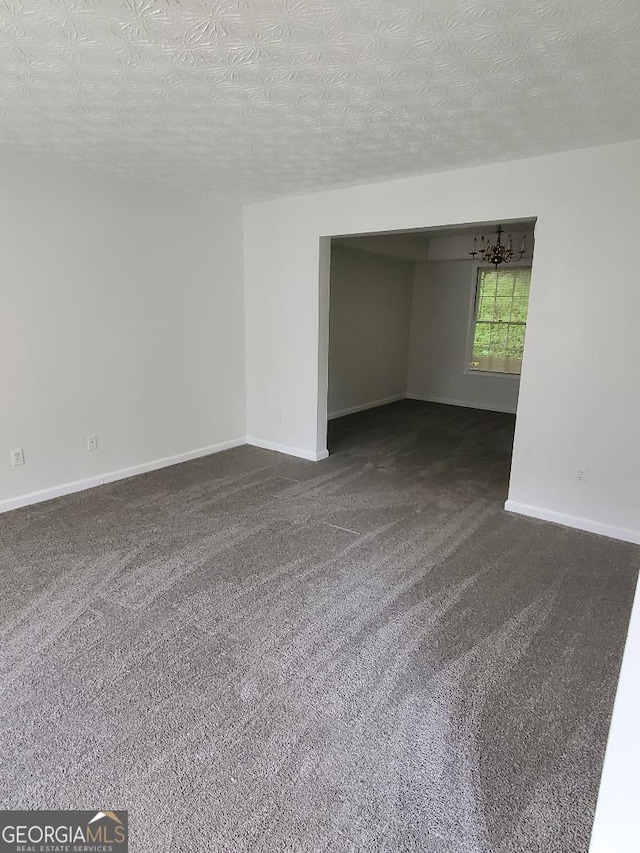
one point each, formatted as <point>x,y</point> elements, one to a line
<point>502,300</point>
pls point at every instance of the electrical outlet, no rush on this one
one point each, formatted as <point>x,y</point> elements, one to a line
<point>582,475</point>
<point>17,456</point>
<point>92,442</point>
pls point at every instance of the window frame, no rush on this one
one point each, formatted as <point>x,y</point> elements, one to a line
<point>471,327</point>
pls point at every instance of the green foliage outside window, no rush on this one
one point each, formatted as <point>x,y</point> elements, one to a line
<point>502,302</point>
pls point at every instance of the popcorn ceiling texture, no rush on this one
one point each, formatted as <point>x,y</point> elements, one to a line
<point>252,99</point>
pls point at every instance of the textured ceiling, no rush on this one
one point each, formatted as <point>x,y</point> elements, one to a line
<point>259,98</point>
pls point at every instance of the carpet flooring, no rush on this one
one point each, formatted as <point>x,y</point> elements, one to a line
<point>251,652</point>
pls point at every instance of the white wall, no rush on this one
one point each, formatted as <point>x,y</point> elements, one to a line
<point>122,316</point>
<point>616,827</point>
<point>578,405</point>
<point>443,299</point>
<point>369,317</point>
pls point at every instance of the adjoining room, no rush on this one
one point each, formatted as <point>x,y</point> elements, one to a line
<point>424,316</point>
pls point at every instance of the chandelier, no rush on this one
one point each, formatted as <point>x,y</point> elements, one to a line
<point>497,253</point>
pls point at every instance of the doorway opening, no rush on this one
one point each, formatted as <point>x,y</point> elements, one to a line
<point>425,349</point>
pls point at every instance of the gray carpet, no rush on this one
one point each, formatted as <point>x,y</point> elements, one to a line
<point>255,653</point>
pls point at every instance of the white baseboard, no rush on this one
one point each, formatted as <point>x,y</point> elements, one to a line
<point>112,476</point>
<point>623,533</point>
<point>464,403</point>
<point>364,406</point>
<point>312,455</point>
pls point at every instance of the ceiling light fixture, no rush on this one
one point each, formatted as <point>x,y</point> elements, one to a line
<point>497,253</point>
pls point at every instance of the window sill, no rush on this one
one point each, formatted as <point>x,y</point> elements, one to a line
<point>469,372</point>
